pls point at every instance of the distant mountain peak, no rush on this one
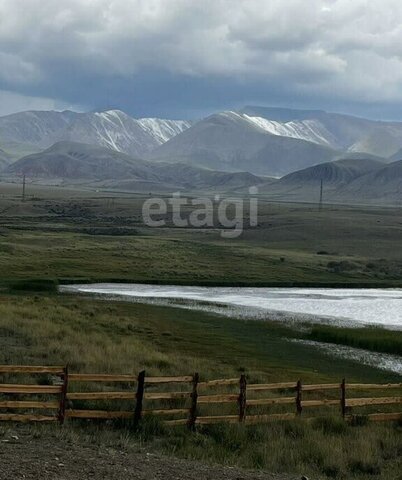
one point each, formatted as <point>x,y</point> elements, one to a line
<point>112,129</point>
<point>112,113</point>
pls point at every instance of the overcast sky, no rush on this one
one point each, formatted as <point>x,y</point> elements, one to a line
<point>187,58</point>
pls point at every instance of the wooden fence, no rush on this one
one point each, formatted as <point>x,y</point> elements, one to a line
<point>183,400</point>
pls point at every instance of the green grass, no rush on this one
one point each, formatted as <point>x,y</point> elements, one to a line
<point>69,256</point>
<point>114,337</point>
<point>374,339</point>
<point>325,448</point>
<point>45,237</point>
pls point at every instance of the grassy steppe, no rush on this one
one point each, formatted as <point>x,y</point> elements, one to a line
<point>78,235</point>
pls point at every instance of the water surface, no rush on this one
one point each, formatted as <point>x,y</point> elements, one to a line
<point>354,307</point>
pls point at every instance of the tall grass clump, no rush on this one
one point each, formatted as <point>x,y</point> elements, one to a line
<point>325,448</point>
<point>375,339</point>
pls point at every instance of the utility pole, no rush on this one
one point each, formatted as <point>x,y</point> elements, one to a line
<point>321,191</point>
<point>23,188</point>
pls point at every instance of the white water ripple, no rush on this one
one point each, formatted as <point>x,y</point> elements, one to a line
<point>383,361</point>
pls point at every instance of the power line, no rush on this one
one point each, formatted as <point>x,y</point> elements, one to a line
<point>321,194</point>
<point>23,188</point>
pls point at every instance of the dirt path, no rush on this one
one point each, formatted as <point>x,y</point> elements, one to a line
<point>24,455</point>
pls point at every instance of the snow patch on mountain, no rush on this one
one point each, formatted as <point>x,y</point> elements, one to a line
<point>112,129</point>
<point>163,130</point>
<point>310,130</point>
<point>117,130</point>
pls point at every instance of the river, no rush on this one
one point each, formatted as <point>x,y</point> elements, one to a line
<point>354,307</point>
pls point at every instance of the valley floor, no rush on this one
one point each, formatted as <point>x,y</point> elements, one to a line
<point>85,236</point>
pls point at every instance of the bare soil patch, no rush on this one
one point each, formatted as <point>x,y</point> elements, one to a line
<point>26,455</point>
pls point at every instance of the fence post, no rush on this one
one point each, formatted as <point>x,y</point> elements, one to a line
<point>299,407</point>
<point>139,397</point>
<point>343,398</point>
<point>194,398</point>
<point>242,398</point>
<point>63,396</point>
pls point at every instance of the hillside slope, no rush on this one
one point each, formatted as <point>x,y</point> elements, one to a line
<point>396,156</point>
<point>5,159</point>
<point>304,185</point>
<point>77,163</point>
<point>337,173</point>
<point>382,185</point>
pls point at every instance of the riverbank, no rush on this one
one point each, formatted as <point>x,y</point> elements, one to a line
<point>336,307</point>
<point>94,335</point>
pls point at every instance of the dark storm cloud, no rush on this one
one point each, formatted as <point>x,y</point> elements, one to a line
<point>186,58</point>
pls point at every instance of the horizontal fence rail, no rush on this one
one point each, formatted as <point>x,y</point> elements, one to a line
<point>55,395</point>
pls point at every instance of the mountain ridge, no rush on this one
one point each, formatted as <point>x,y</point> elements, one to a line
<point>260,140</point>
<point>77,163</point>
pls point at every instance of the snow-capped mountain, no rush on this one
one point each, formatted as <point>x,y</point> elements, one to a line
<point>113,129</point>
<point>232,141</point>
<point>277,141</point>
<point>310,130</point>
<point>261,140</point>
<point>343,132</point>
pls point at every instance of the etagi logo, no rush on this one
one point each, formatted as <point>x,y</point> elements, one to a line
<point>228,212</point>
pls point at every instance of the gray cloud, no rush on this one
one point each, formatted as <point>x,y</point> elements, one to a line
<point>328,50</point>
<point>11,102</point>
